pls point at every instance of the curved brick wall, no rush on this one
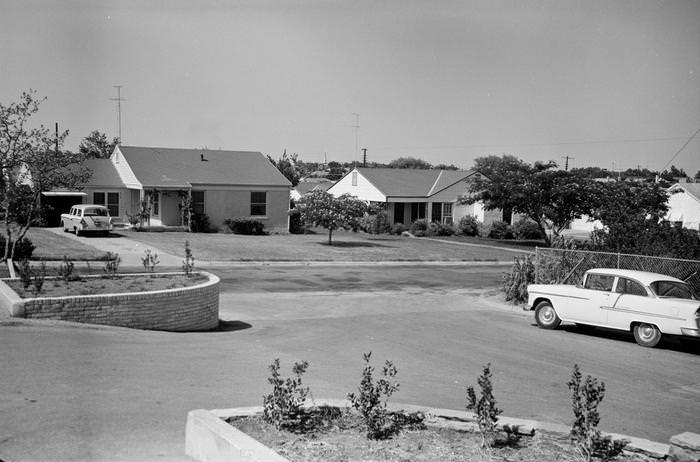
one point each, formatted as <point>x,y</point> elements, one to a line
<point>178,310</point>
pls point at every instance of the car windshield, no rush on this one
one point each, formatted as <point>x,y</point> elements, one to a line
<point>672,289</point>
<point>96,212</point>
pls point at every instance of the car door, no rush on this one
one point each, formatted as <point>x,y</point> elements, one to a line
<point>635,303</point>
<point>598,289</point>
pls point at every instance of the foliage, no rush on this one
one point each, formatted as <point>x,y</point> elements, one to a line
<point>375,222</point>
<point>521,274</point>
<point>25,273</point>
<point>419,227</point>
<point>111,268</point>
<point>150,260</point>
<point>199,223</point>
<point>525,229</point>
<point>283,407</point>
<point>24,248</point>
<point>441,229</point>
<point>335,171</point>
<point>585,398</point>
<point>66,270</point>
<point>29,164</point>
<point>287,165</point>
<point>97,145</point>
<point>501,230</point>
<point>188,263</point>
<point>295,224</point>
<point>38,277</point>
<point>320,208</point>
<point>548,197</point>
<point>246,226</point>
<point>409,162</point>
<point>662,239</point>
<point>372,398</point>
<point>468,226</point>
<point>485,407</point>
<point>398,228</point>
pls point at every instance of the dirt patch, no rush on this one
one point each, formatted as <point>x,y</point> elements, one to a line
<point>105,285</point>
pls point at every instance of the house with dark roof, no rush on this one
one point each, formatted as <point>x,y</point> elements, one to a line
<point>684,205</point>
<point>412,194</point>
<point>220,184</point>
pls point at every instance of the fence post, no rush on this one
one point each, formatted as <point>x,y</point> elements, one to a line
<point>618,260</point>
<point>537,265</point>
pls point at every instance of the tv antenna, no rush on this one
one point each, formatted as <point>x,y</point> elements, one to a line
<point>566,164</point>
<point>357,134</point>
<point>119,100</point>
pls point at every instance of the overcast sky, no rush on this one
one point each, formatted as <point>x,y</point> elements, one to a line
<point>610,83</point>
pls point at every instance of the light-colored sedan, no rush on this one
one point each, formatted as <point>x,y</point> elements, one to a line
<point>647,304</point>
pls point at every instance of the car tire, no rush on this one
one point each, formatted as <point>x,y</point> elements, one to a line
<point>77,231</point>
<point>646,335</point>
<point>65,228</point>
<point>545,316</point>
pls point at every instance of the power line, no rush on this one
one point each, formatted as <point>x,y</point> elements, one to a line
<point>679,151</point>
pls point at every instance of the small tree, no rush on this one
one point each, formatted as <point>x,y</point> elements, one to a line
<point>287,165</point>
<point>319,208</point>
<point>283,407</point>
<point>484,407</point>
<point>97,145</point>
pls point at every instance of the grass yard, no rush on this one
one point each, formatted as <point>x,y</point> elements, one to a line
<point>51,246</point>
<point>347,246</point>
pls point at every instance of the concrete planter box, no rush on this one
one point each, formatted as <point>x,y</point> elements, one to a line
<point>182,309</point>
<point>209,438</point>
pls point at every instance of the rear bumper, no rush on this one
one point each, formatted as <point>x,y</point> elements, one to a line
<point>690,332</point>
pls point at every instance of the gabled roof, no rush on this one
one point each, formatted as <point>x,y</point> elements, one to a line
<point>306,186</point>
<point>407,182</point>
<point>693,189</point>
<point>103,174</point>
<point>163,167</point>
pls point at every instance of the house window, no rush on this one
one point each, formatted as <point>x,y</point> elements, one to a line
<point>447,213</point>
<point>155,204</point>
<point>417,211</point>
<point>258,203</point>
<point>398,212</point>
<point>354,178</point>
<point>109,200</point>
<point>437,212</point>
<point>198,202</point>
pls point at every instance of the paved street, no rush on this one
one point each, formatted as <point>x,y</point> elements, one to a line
<point>77,392</point>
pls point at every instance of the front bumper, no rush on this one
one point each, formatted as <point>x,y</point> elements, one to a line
<point>690,332</point>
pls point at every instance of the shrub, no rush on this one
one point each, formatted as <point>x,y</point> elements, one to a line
<point>283,407</point>
<point>38,278</point>
<point>245,226</point>
<point>375,223</point>
<point>527,229</point>
<point>468,226</point>
<point>188,263</point>
<point>372,397</point>
<point>444,229</point>
<point>419,227</point>
<point>150,260</point>
<point>585,399</point>
<point>500,230</point>
<point>485,407</point>
<point>398,228</point>
<point>23,249</point>
<point>199,223</point>
<point>521,274</point>
<point>295,224</point>
<point>25,273</point>
<point>66,270</point>
<point>111,268</point>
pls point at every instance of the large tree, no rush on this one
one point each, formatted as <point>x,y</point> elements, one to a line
<point>409,162</point>
<point>287,165</point>
<point>319,208</point>
<point>97,145</point>
<point>29,164</point>
<point>549,197</point>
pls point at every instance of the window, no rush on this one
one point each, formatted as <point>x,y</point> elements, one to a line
<point>258,203</point>
<point>109,200</point>
<point>628,286</point>
<point>600,282</point>
<point>437,212</point>
<point>672,289</point>
<point>354,178</point>
<point>398,212</point>
<point>198,202</point>
<point>417,211</point>
<point>447,213</point>
<point>155,203</point>
<point>98,198</point>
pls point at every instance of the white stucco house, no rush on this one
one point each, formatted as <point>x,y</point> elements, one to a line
<point>684,205</point>
<point>412,194</point>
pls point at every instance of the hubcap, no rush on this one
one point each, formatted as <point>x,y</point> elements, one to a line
<point>646,332</point>
<point>547,315</point>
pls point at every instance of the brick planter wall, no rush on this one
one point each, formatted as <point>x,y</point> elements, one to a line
<point>184,309</point>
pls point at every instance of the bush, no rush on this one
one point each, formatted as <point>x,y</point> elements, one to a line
<point>283,407</point>
<point>375,223</point>
<point>23,249</point>
<point>468,226</point>
<point>245,226</point>
<point>199,223</point>
<point>295,224</point>
<point>485,407</point>
<point>398,228</point>
<point>188,262</point>
<point>419,227</point>
<point>444,229</point>
<point>521,274</point>
<point>527,229</point>
<point>501,230</point>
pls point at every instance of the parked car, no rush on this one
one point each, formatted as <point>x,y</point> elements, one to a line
<point>87,218</point>
<point>647,304</point>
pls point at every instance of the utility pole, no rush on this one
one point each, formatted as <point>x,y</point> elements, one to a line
<point>357,134</point>
<point>56,138</point>
<point>119,100</point>
<point>364,157</point>
<point>566,164</point>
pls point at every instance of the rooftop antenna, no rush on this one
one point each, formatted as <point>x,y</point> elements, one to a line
<point>364,157</point>
<point>119,100</point>
<point>357,135</point>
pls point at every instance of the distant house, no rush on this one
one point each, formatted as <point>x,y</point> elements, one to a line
<point>220,184</point>
<point>310,184</point>
<point>412,194</point>
<point>684,205</point>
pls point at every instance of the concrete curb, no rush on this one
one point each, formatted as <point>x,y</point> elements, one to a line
<point>209,438</point>
<point>219,263</point>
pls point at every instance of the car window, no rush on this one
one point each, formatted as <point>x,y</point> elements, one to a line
<point>600,282</point>
<point>96,212</point>
<point>672,289</point>
<point>628,286</point>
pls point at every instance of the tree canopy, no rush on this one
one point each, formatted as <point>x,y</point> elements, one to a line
<point>409,162</point>
<point>320,208</point>
<point>97,145</point>
<point>287,165</point>
<point>30,164</point>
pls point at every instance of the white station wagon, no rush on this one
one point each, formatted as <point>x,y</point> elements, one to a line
<point>647,304</point>
<point>87,218</point>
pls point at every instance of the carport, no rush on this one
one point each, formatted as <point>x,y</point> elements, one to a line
<point>54,203</point>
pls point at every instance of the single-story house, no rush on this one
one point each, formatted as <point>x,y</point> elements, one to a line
<point>684,205</point>
<point>412,194</point>
<point>220,184</point>
<point>310,184</point>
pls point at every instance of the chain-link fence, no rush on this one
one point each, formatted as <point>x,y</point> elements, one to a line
<point>564,266</point>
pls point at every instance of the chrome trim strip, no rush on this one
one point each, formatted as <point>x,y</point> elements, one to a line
<point>645,313</point>
<point>560,295</point>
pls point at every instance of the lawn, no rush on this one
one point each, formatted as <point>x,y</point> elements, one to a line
<point>346,246</point>
<point>51,246</point>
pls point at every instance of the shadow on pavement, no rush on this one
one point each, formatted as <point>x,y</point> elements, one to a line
<point>231,326</point>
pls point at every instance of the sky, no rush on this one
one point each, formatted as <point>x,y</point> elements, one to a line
<point>614,84</point>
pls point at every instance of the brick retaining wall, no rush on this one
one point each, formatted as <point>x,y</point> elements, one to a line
<point>178,310</point>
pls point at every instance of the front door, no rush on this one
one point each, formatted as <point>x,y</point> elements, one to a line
<point>155,204</point>
<point>398,212</point>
